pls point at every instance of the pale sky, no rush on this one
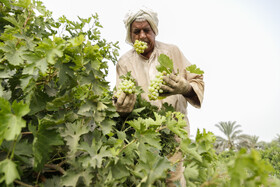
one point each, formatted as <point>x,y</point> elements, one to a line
<point>235,42</point>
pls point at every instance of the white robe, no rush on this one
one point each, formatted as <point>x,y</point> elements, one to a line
<point>143,70</point>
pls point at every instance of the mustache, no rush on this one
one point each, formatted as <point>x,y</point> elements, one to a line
<point>147,41</point>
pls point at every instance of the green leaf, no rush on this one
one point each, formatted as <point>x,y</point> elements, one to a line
<point>96,152</point>
<point>23,3</point>
<point>101,106</point>
<point>9,170</point>
<point>166,64</point>
<point>191,172</point>
<point>72,133</point>
<point>194,69</point>
<point>11,119</point>
<point>38,101</point>
<point>58,102</point>
<point>176,123</point>
<point>190,150</point>
<point>66,75</point>
<point>52,49</point>
<point>72,177</point>
<point>44,140</point>
<point>13,55</point>
<point>119,171</point>
<point>20,109</point>
<point>77,40</point>
<point>6,3</point>
<point>155,168</point>
<point>12,20</point>
<point>107,125</point>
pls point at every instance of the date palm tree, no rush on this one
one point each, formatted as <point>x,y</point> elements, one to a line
<point>249,142</point>
<point>232,135</point>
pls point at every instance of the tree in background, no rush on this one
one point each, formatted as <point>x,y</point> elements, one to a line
<point>249,142</point>
<point>233,136</point>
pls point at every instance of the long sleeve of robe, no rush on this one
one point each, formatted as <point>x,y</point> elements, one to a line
<point>144,70</point>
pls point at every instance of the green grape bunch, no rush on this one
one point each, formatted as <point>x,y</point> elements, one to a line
<point>127,85</point>
<point>155,86</point>
<point>140,46</point>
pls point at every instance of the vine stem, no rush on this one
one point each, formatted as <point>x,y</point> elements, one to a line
<point>127,145</point>
<point>25,133</point>
<point>22,183</point>
<point>123,125</point>
<point>56,167</point>
<point>10,154</point>
<point>27,19</point>
<point>161,128</point>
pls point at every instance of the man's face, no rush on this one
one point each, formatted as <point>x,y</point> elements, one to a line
<point>142,31</point>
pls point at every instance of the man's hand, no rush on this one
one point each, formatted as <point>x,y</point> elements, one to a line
<point>176,85</point>
<point>125,103</point>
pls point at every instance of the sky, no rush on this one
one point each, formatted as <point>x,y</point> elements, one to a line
<point>235,42</point>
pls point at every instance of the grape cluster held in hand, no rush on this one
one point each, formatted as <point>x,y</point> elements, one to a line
<point>155,86</point>
<point>126,86</point>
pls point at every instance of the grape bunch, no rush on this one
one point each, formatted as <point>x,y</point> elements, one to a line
<point>155,84</point>
<point>126,86</point>
<point>140,46</point>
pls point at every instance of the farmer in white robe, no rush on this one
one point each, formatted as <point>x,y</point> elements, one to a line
<point>182,88</point>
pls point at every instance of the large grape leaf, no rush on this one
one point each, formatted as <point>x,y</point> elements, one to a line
<point>13,54</point>
<point>11,119</point>
<point>107,125</point>
<point>96,152</point>
<point>8,171</point>
<point>165,64</point>
<point>72,133</point>
<point>190,149</point>
<point>154,168</point>
<point>44,140</point>
<point>72,177</point>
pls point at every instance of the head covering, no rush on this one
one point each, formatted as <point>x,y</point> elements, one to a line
<point>141,13</point>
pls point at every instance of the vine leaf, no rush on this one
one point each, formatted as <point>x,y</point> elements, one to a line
<point>194,69</point>
<point>166,64</point>
<point>97,152</point>
<point>11,119</point>
<point>9,170</point>
<point>13,55</point>
<point>154,168</point>
<point>43,142</point>
<point>72,176</point>
<point>71,134</point>
<point>190,150</point>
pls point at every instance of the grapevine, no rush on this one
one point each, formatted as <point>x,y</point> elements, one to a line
<point>140,46</point>
<point>59,127</point>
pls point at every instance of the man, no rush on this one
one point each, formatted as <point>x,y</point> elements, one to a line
<point>182,88</point>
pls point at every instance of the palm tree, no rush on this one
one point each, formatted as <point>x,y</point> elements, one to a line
<point>233,134</point>
<point>249,142</point>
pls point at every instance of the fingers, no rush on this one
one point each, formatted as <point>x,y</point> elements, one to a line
<point>174,78</point>
<point>129,100</point>
<point>170,80</point>
<point>125,103</point>
<point>174,84</point>
<point>167,89</point>
<point>121,99</point>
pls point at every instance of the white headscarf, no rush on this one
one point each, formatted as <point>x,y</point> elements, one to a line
<point>142,13</point>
